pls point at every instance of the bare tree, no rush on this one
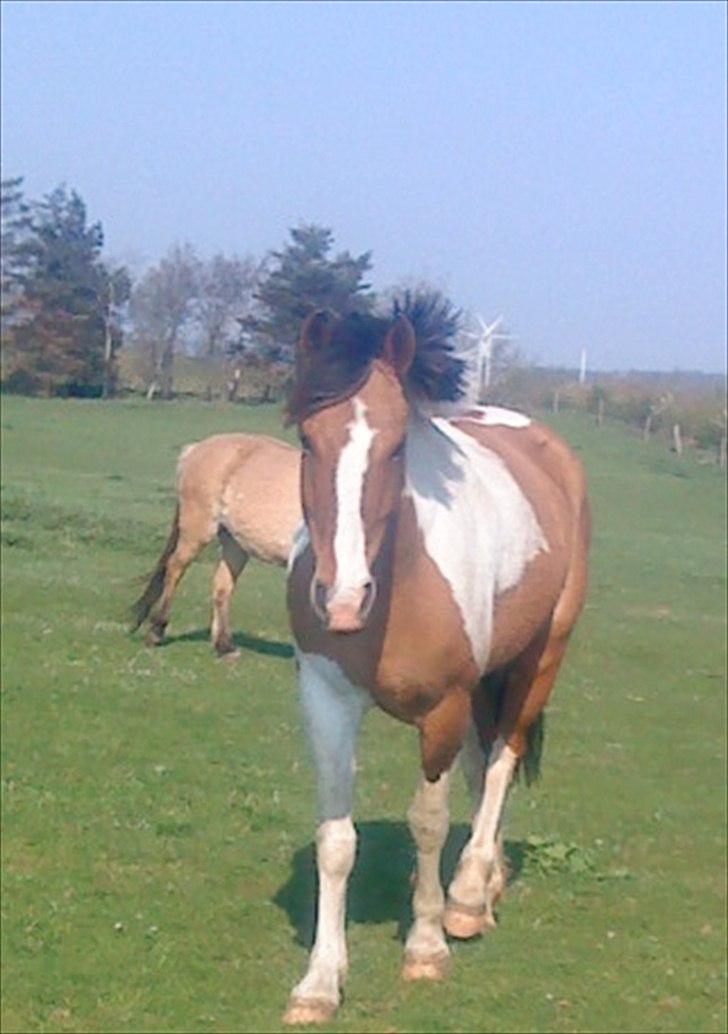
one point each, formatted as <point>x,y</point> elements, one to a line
<point>226,294</point>
<point>226,291</point>
<point>162,306</point>
<point>656,410</point>
<point>117,292</point>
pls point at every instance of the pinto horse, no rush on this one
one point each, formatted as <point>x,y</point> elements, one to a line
<point>438,575</point>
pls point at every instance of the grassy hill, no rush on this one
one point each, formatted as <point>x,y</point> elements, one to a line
<point>158,805</point>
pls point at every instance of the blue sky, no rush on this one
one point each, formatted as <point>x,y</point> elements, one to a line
<point>561,164</point>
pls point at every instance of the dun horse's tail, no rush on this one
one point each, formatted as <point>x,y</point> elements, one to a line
<point>492,691</point>
<point>141,609</point>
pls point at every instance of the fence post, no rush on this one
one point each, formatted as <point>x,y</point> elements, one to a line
<point>721,452</point>
<point>677,439</point>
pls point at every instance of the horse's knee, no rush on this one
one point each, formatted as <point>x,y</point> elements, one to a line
<point>336,847</point>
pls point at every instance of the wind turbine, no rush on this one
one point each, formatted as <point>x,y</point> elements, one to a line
<point>485,338</point>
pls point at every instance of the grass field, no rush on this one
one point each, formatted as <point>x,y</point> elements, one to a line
<point>158,805</point>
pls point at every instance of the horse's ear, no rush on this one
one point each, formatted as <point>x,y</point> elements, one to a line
<point>399,345</point>
<point>316,331</point>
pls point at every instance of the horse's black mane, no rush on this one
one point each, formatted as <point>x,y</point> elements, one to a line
<point>336,371</point>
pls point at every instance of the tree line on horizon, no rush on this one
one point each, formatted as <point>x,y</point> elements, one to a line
<point>75,323</point>
<point>67,311</point>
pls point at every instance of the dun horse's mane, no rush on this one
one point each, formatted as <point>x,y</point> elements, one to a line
<point>336,371</point>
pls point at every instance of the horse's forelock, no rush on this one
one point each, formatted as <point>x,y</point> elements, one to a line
<point>336,370</point>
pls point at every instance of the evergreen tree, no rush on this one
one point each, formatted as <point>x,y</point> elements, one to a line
<point>64,338</point>
<point>15,225</point>
<point>302,277</point>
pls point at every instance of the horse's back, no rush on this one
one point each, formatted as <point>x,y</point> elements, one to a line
<point>260,502</point>
<point>248,483</point>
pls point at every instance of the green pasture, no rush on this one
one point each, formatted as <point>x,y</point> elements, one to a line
<point>158,804</point>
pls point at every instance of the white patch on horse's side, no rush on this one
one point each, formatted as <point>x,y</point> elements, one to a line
<point>477,525</point>
<point>301,539</point>
<point>497,416</point>
<point>349,539</point>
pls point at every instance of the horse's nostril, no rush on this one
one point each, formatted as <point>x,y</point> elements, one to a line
<point>370,595</point>
<point>318,594</point>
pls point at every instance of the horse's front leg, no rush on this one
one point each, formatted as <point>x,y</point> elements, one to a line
<point>426,952</point>
<point>233,561</point>
<point>332,712</point>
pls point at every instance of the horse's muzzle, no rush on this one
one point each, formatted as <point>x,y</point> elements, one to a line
<point>343,612</point>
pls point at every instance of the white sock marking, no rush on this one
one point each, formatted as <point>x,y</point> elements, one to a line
<point>332,710</point>
<point>428,820</point>
<point>473,872</point>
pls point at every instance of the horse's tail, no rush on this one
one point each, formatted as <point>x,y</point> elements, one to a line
<point>141,608</point>
<point>491,693</point>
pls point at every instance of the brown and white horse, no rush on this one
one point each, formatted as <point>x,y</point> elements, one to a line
<point>438,575</point>
<point>244,488</point>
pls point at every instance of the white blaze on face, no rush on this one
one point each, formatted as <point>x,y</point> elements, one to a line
<point>352,572</point>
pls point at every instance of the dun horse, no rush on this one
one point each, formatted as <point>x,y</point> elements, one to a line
<point>439,574</point>
<point>244,488</point>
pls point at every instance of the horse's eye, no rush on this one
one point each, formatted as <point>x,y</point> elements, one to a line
<point>305,443</point>
<point>399,451</point>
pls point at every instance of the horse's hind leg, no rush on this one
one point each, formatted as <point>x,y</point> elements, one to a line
<point>480,877</point>
<point>234,558</point>
<point>186,551</point>
<point>472,763</point>
<point>525,686</point>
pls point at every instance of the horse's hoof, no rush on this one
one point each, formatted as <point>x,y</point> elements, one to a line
<point>434,967</point>
<point>466,923</point>
<point>228,655</point>
<point>308,1010</point>
<point>154,639</point>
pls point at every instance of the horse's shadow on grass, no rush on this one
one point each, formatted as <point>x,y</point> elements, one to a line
<point>379,890</point>
<point>243,641</point>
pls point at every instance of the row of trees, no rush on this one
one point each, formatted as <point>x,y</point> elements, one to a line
<point>66,311</point>
<point>650,404</point>
<point>61,305</point>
